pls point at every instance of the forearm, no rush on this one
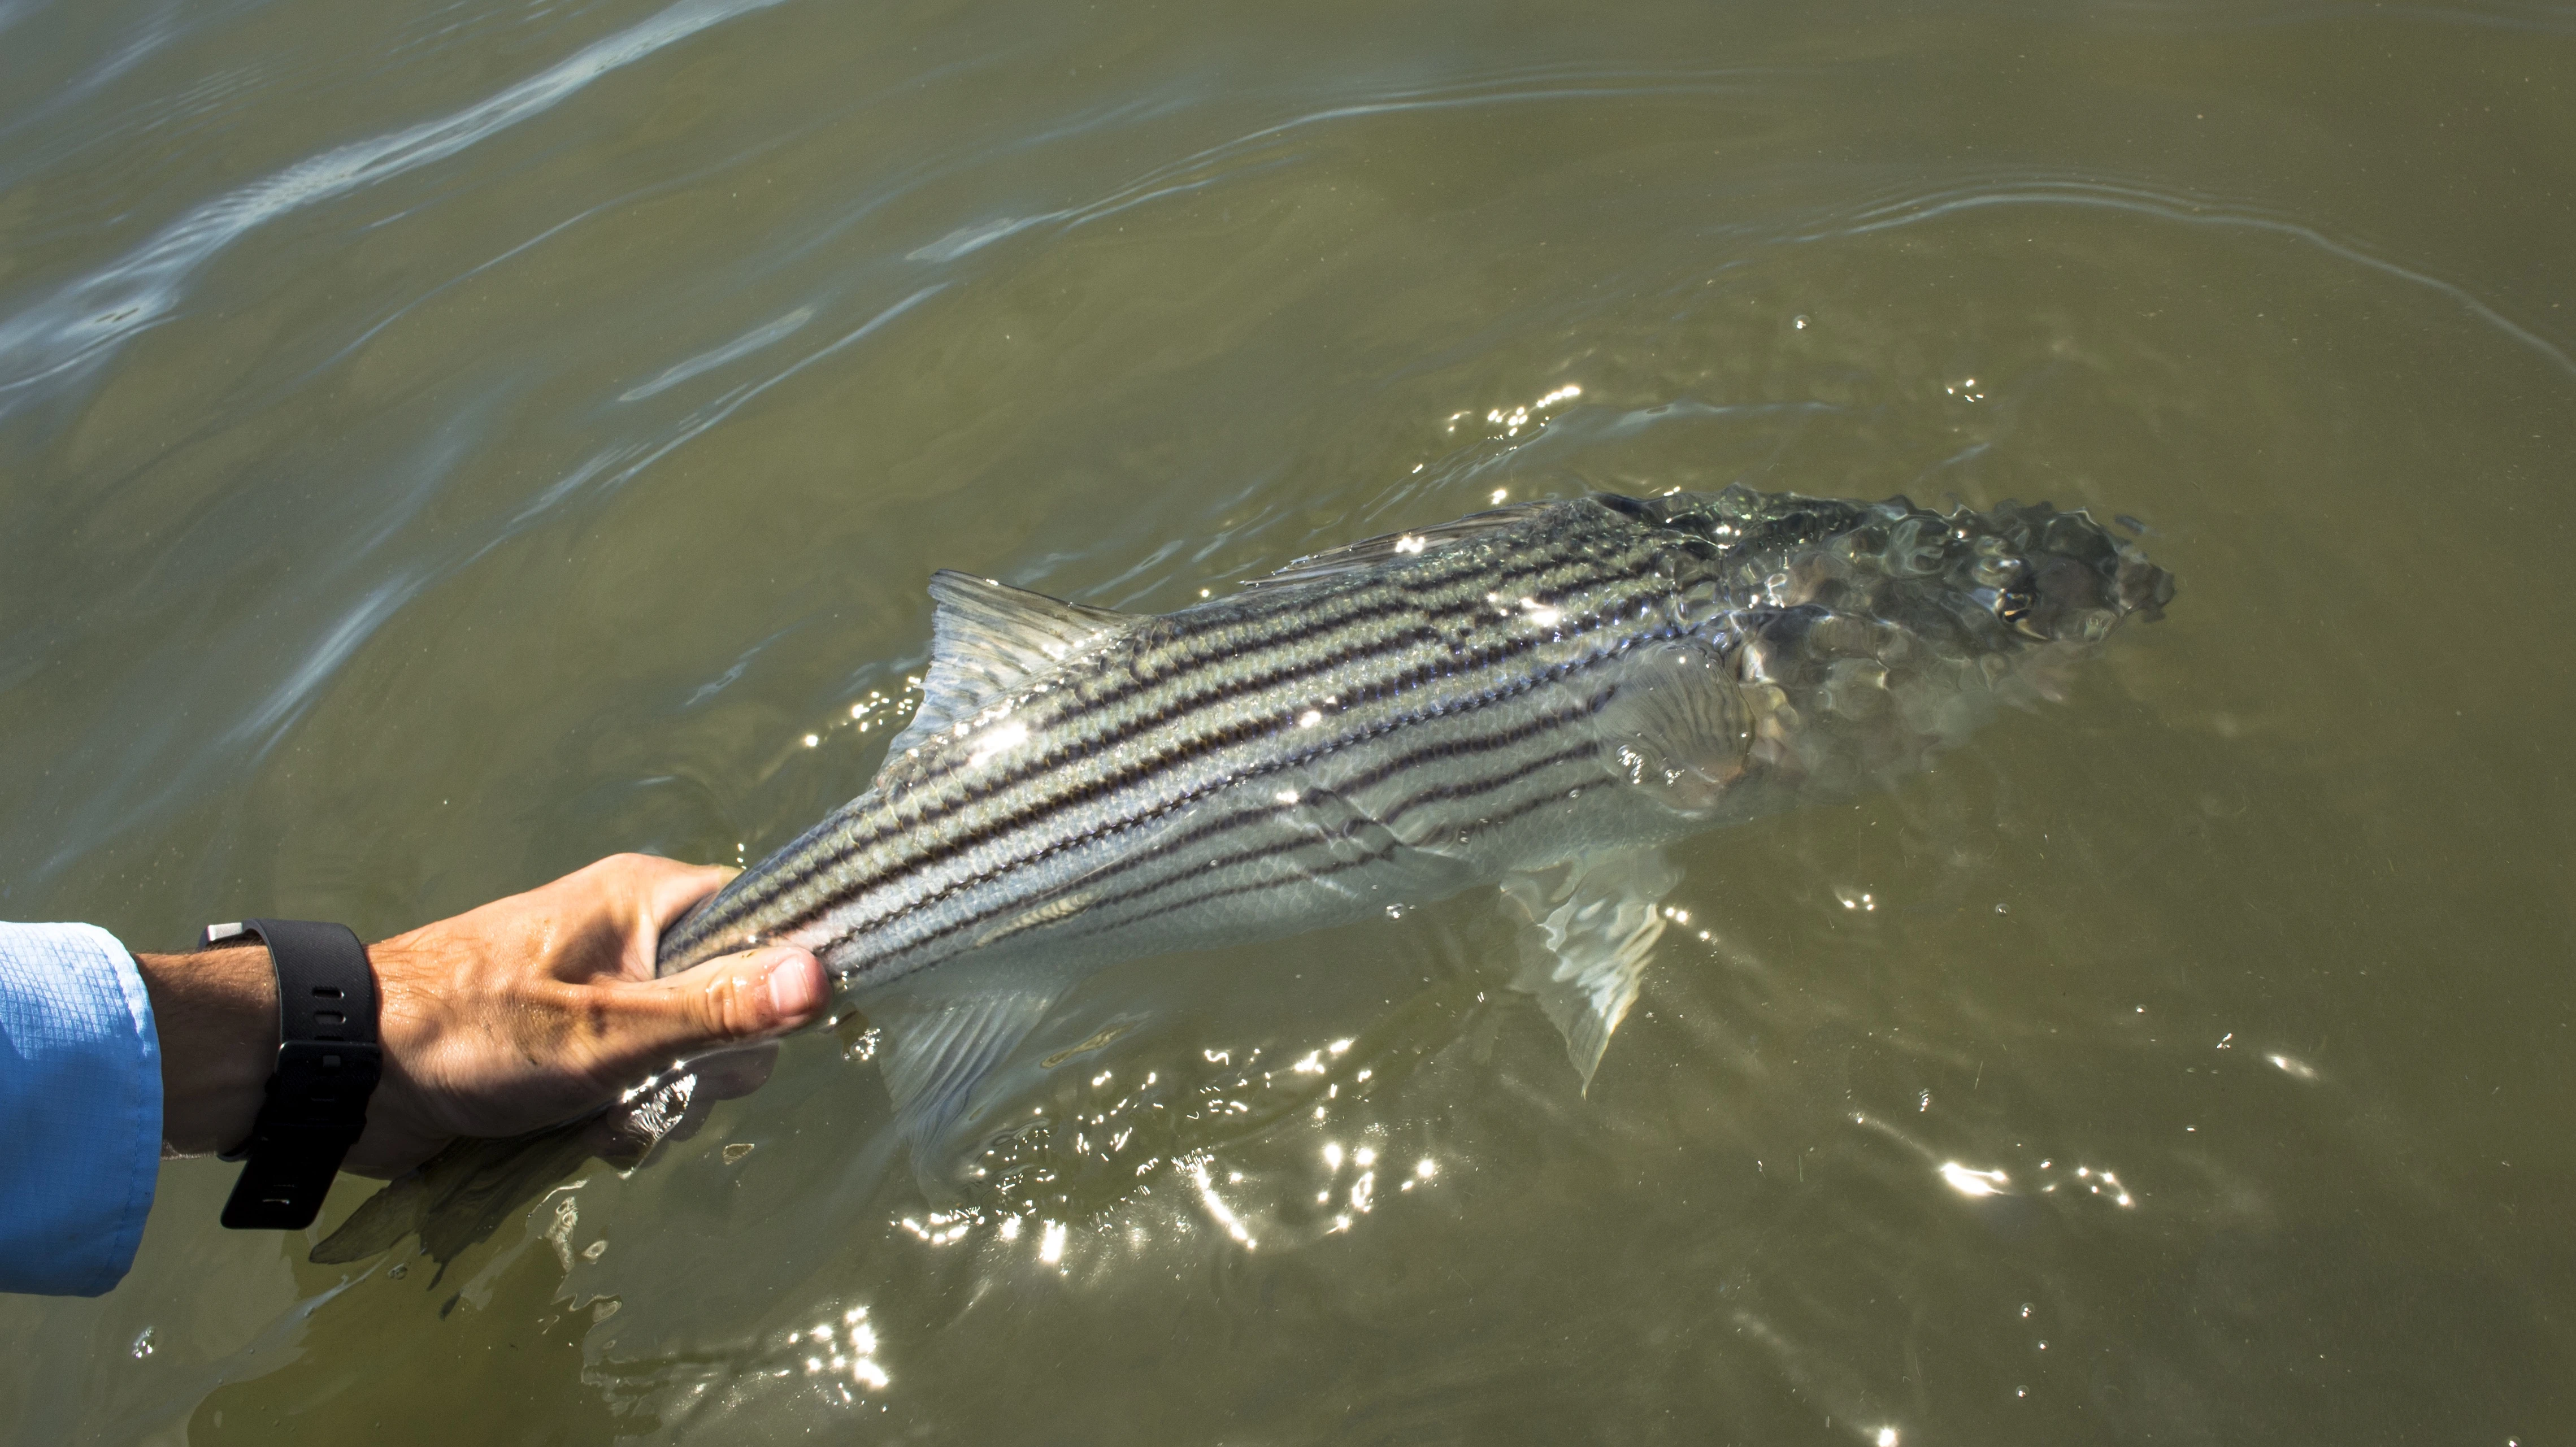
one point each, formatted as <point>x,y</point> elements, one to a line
<point>216,1013</point>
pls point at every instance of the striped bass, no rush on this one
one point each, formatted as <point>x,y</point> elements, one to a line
<point>1535,698</point>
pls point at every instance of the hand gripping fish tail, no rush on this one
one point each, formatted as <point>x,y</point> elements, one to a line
<point>1534,700</point>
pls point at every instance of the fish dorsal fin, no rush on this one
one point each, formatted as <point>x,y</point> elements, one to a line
<point>1592,925</point>
<point>986,640</point>
<point>1395,547</point>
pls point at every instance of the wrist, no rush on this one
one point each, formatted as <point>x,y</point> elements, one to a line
<point>216,1015</point>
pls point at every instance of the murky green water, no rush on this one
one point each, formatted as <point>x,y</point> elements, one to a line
<point>441,444</point>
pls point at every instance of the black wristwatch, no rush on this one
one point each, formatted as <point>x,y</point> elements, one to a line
<point>328,1061</point>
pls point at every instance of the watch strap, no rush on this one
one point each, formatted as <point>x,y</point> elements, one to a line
<point>328,1062</point>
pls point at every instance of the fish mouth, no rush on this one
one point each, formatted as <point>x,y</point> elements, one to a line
<point>2066,577</point>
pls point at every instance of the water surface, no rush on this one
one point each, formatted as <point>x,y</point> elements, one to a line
<point>444,443</point>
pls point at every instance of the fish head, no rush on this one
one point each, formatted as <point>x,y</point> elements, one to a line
<point>1831,643</point>
<point>1990,583</point>
<point>2051,576</point>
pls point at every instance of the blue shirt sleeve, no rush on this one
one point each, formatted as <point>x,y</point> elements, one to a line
<point>80,1109</point>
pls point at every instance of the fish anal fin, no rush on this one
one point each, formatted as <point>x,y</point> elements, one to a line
<point>988,640</point>
<point>1592,925</point>
<point>941,1041</point>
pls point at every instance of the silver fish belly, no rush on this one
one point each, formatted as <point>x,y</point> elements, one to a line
<point>1535,697</point>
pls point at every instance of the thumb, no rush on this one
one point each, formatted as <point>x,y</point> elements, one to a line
<point>727,1001</point>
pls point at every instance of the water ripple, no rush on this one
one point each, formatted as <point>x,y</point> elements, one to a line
<point>2539,18</point>
<point>84,320</point>
<point>716,412</point>
<point>1931,206</point>
<point>707,361</point>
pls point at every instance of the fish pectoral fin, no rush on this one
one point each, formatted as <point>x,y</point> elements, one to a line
<point>1679,725</point>
<point>987,639</point>
<point>941,1042</point>
<point>1592,925</point>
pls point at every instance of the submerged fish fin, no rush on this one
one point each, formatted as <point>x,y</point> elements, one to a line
<point>1371,552</point>
<point>941,1040</point>
<point>987,639</point>
<point>459,1196</point>
<point>469,1190</point>
<point>1679,726</point>
<point>1592,925</point>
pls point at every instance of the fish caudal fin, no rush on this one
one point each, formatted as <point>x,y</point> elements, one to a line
<point>1592,925</point>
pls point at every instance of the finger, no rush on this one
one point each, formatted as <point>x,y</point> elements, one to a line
<point>674,887</point>
<point>642,896</point>
<point>662,889</point>
<point>729,1001</point>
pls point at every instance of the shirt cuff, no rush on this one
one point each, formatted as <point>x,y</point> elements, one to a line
<point>80,1109</point>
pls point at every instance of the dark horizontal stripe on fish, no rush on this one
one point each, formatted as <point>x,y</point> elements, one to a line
<point>1046,810</point>
<point>1186,749</point>
<point>1175,683</point>
<point>1176,665</point>
<point>1579,559</point>
<point>1178,848</point>
<point>1580,753</point>
<point>1517,811</point>
<point>1143,819</point>
<point>1100,909</point>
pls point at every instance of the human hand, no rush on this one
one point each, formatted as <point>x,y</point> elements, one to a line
<point>536,1008</point>
<point>527,1011</point>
